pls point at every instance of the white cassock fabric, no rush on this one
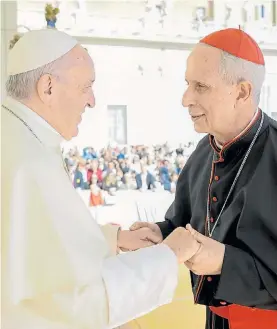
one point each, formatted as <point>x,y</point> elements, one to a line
<point>58,271</point>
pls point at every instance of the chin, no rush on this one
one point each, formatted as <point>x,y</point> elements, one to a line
<point>71,134</point>
<point>200,129</point>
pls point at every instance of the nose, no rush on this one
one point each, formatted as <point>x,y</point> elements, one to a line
<point>91,100</point>
<point>188,98</point>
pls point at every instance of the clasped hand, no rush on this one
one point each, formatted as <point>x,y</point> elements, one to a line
<point>136,239</point>
<point>202,255</point>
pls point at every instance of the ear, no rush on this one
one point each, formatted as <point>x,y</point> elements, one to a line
<point>244,91</point>
<point>44,88</point>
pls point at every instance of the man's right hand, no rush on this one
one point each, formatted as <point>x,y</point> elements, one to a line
<point>153,227</point>
<point>133,240</point>
<point>182,243</point>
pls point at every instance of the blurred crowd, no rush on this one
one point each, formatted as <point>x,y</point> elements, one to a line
<point>140,167</point>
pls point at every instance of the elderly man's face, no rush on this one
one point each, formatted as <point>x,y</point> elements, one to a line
<point>72,92</point>
<point>211,101</point>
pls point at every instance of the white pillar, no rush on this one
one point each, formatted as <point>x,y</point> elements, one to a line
<point>8,29</point>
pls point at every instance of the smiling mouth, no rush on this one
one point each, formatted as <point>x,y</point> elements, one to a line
<point>197,117</point>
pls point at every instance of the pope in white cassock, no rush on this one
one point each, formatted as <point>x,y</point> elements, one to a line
<point>59,268</point>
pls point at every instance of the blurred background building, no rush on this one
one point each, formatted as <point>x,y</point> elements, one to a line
<point>140,50</point>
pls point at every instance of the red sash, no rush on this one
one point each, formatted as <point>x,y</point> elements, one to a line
<point>242,317</point>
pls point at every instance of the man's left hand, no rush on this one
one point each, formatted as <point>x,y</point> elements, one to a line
<point>209,259</point>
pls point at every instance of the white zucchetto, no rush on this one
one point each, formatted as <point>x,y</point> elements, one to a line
<point>38,48</point>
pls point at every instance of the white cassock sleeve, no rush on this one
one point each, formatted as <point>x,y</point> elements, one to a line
<point>132,279</point>
<point>138,282</point>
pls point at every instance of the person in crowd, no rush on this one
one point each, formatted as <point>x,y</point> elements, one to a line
<point>89,153</point>
<point>145,180</point>
<point>96,197</point>
<point>136,165</point>
<point>180,163</point>
<point>129,183</point>
<point>151,165</point>
<point>125,167</point>
<point>84,171</point>
<point>188,150</point>
<point>95,170</point>
<point>110,167</point>
<point>110,181</point>
<point>164,175</point>
<point>226,193</point>
<point>121,155</point>
<point>119,176</point>
<point>173,184</point>
<point>180,150</point>
<point>71,160</point>
<point>78,181</point>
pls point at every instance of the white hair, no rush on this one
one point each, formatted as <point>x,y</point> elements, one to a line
<point>235,70</point>
<point>21,86</point>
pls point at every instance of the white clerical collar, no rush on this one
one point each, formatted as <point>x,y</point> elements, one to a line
<point>220,146</point>
<point>46,133</point>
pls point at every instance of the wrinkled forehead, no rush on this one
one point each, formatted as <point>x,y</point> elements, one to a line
<point>203,64</point>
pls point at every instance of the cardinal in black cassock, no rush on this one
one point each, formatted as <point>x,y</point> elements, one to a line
<point>227,190</point>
